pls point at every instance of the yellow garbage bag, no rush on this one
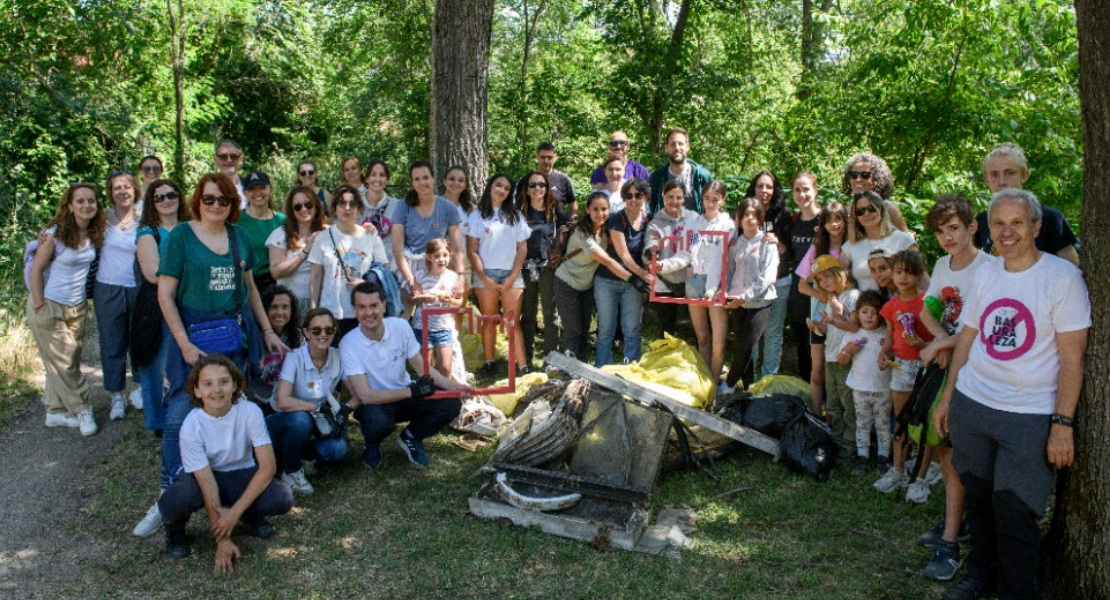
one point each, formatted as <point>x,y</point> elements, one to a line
<point>508,402</point>
<point>781,384</point>
<point>471,342</point>
<point>674,364</point>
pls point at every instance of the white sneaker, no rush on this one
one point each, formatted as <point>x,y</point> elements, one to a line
<point>119,408</point>
<point>136,398</point>
<point>298,482</point>
<point>150,523</point>
<point>934,474</point>
<point>61,420</point>
<point>309,467</point>
<point>87,422</point>
<point>891,480</point>
<point>918,493</point>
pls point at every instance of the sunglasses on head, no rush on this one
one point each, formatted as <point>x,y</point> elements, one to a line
<point>324,330</point>
<point>302,206</point>
<point>152,169</point>
<point>307,173</point>
<point>634,196</point>
<point>537,184</point>
<point>864,175</point>
<point>119,172</point>
<point>171,195</point>
<point>224,201</point>
<point>229,156</point>
<point>618,143</point>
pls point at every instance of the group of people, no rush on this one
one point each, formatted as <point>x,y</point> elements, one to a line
<point>223,297</point>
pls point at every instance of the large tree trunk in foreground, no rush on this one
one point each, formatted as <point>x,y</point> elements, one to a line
<point>461,32</point>
<point>1079,546</point>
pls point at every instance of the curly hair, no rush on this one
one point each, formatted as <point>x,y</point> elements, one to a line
<point>291,333</point>
<point>880,175</point>
<point>67,231</point>
<point>150,217</point>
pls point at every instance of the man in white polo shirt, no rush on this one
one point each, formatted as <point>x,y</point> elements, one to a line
<point>1011,396</point>
<point>382,393</point>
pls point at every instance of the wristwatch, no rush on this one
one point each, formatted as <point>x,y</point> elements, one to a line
<point>1059,419</point>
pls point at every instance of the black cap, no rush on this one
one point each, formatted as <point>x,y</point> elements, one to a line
<point>255,180</point>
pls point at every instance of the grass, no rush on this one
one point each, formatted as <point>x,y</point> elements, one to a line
<point>19,358</point>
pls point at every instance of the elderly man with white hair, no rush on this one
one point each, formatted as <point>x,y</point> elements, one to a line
<point>1011,396</point>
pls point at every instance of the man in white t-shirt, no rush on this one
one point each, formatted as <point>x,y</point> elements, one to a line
<point>1011,396</point>
<point>382,393</point>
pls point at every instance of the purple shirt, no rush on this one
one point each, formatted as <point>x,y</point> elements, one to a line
<point>632,170</point>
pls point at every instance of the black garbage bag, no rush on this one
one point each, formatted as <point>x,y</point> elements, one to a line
<point>730,407</point>
<point>807,446</point>
<point>771,413</point>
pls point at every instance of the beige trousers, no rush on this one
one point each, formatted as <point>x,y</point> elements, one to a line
<point>57,330</point>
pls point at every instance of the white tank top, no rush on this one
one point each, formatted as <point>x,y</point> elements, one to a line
<point>68,272</point>
<point>117,257</point>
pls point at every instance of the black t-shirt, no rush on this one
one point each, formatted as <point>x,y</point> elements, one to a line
<point>802,234</point>
<point>543,231</point>
<point>634,238</point>
<point>780,223</point>
<point>1055,233</point>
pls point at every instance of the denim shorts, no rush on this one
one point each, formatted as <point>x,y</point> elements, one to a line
<point>903,373</point>
<point>695,287</point>
<point>437,338</point>
<point>498,275</point>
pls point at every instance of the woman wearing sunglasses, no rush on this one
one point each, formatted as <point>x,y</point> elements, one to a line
<point>290,244</point>
<point>309,176</point>
<point>204,285</point>
<point>866,172</point>
<point>869,228</point>
<point>116,289</point>
<point>543,216</point>
<point>308,380</point>
<point>163,210</point>
<point>150,169</point>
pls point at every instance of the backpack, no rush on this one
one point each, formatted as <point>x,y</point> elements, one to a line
<point>556,253</point>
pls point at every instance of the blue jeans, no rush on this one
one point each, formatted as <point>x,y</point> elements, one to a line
<point>772,336</point>
<point>177,398</point>
<point>617,300</point>
<point>291,433</point>
<point>152,377</point>
<point>425,418</point>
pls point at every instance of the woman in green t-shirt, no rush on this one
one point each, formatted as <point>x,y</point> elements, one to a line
<point>259,221</point>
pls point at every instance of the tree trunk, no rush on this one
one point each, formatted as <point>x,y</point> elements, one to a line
<point>1078,548</point>
<point>531,25</point>
<point>461,33</point>
<point>177,57</point>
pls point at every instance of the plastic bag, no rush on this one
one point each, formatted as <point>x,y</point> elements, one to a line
<point>807,446</point>
<point>771,414</point>
<point>676,364</point>
<point>782,384</point>
<point>507,402</point>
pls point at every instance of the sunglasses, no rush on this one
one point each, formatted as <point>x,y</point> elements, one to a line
<point>634,196</point>
<point>346,204</point>
<point>303,206</point>
<point>307,173</point>
<point>537,184</point>
<point>864,175</point>
<point>323,330</point>
<point>618,143</point>
<point>166,197</point>
<point>152,169</point>
<point>224,201</point>
<point>229,156</point>
<point>870,208</point>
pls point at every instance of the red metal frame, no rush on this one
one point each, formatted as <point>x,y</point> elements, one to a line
<point>509,330</point>
<point>720,299</point>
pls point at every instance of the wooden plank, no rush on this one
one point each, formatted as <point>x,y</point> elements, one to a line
<point>711,422</point>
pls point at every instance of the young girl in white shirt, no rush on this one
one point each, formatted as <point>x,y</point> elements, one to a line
<point>440,288</point>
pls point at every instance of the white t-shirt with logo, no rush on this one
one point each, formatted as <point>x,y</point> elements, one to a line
<point>950,289</point>
<point>383,362</point>
<point>1014,362</point>
<point>497,240</point>
<point>224,443</point>
<point>865,375</point>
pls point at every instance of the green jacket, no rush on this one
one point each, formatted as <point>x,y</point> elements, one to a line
<point>700,177</point>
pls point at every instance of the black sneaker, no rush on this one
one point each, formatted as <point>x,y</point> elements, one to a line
<point>372,456</point>
<point>261,529</point>
<point>971,587</point>
<point>488,369</point>
<point>883,464</point>
<point>859,465</point>
<point>414,449</point>
<point>945,562</point>
<point>523,369</point>
<point>177,543</point>
<point>930,538</point>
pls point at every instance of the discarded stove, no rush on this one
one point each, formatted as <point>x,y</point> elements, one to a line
<point>582,460</point>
